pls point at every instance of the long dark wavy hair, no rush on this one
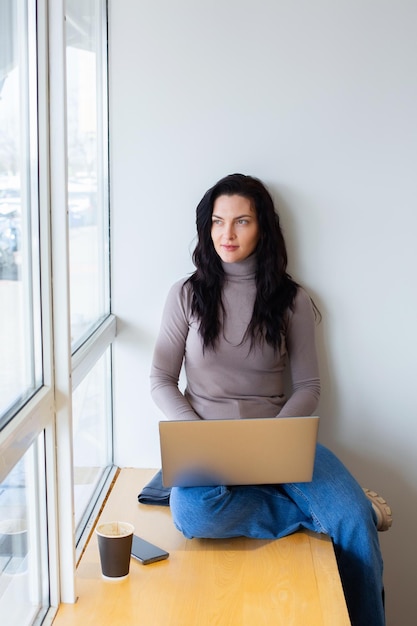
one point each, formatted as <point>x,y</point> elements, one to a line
<point>275,289</point>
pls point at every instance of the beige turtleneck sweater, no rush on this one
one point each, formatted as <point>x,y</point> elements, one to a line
<point>233,381</point>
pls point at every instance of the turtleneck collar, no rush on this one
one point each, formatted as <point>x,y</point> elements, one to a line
<point>245,269</point>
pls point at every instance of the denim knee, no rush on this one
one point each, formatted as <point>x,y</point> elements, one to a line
<point>194,509</point>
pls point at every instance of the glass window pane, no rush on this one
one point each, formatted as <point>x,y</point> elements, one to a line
<point>23,541</point>
<point>91,434</point>
<point>20,320</point>
<point>87,166</point>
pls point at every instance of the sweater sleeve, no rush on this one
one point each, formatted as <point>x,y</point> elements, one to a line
<point>168,357</point>
<point>301,347</point>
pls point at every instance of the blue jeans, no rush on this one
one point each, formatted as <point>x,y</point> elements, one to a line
<point>333,503</point>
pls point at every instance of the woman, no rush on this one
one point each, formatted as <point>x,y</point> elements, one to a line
<point>234,324</point>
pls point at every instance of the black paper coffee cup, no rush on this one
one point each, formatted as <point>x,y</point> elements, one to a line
<point>115,545</point>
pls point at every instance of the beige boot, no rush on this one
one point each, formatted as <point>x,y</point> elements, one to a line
<point>382,510</point>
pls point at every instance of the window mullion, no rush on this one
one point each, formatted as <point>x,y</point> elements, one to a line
<point>61,302</point>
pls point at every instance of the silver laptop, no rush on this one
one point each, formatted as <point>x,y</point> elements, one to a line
<point>252,451</point>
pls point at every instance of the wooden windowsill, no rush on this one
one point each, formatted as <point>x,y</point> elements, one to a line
<point>292,581</point>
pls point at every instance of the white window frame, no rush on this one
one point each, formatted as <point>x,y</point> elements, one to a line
<point>37,415</point>
<point>69,370</point>
<point>50,409</point>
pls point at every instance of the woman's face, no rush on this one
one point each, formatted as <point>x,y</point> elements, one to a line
<point>234,228</point>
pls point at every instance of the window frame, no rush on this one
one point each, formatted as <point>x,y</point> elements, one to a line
<point>49,410</point>
<point>102,337</point>
<point>36,415</point>
<point>27,57</point>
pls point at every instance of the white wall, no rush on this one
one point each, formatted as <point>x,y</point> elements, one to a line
<point>319,100</point>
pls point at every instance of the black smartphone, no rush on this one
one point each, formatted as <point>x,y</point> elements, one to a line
<point>146,552</point>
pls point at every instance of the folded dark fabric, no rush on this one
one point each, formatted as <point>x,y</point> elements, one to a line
<point>155,492</point>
